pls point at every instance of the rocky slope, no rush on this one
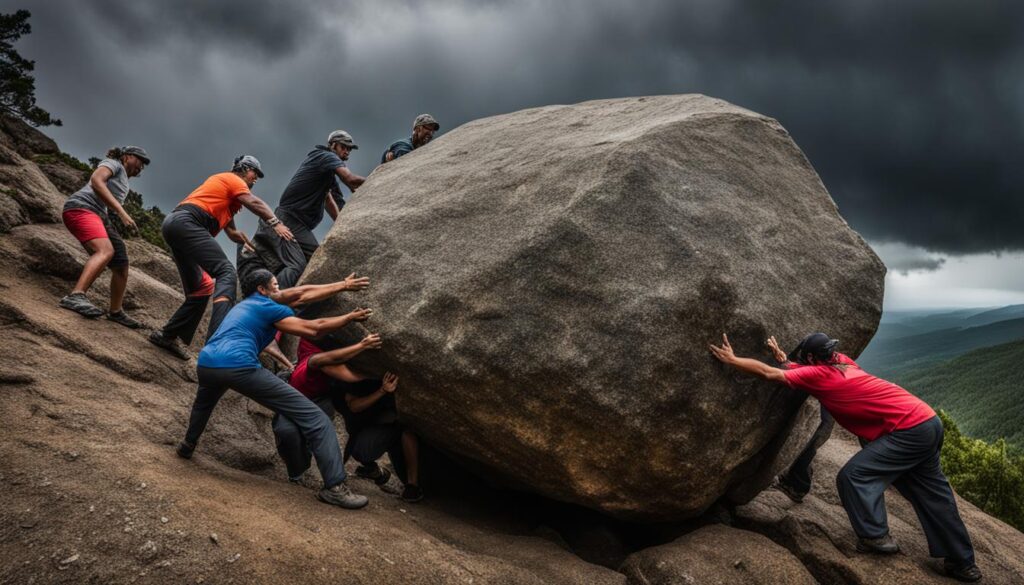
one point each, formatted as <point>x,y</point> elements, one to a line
<point>92,492</point>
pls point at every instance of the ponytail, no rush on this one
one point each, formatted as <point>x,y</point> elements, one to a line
<point>115,152</point>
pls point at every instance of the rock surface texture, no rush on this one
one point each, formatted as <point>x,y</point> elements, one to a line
<point>547,282</point>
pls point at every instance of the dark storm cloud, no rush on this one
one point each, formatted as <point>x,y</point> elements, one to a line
<point>911,111</point>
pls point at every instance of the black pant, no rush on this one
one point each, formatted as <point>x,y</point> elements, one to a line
<point>198,257</point>
<point>798,476</point>
<point>908,459</point>
<point>293,255</point>
<point>260,385</point>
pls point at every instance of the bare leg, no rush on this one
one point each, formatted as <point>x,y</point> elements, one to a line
<point>100,253</point>
<point>411,450</point>
<point>118,284</point>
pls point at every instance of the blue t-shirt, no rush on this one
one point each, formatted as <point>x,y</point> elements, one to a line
<point>303,198</point>
<point>243,334</point>
<point>398,147</point>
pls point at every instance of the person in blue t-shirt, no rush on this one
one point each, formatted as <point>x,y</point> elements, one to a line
<point>230,361</point>
<point>315,186</point>
<point>423,128</point>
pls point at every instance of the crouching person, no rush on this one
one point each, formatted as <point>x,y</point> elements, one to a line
<point>368,408</point>
<point>230,361</point>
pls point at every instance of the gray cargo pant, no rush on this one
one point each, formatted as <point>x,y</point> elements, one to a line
<point>274,393</point>
<point>909,460</point>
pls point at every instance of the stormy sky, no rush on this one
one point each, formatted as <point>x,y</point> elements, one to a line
<point>912,112</point>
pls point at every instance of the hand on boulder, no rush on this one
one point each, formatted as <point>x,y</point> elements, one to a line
<point>353,283</point>
<point>780,356</point>
<point>371,341</point>
<point>723,353</point>
<point>360,315</point>
<point>390,383</point>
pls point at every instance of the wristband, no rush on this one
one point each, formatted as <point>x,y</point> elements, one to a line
<point>273,221</point>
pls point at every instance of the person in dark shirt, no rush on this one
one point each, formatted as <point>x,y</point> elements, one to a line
<point>423,128</point>
<point>368,407</point>
<point>315,186</point>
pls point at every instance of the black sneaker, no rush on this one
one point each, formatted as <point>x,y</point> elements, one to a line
<point>412,493</point>
<point>122,318</point>
<point>968,573</point>
<point>171,344</point>
<point>80,304</point>
<point>341,495</point>
<point>884,545</point>
<point>378,474</point>
<point>185,450</point>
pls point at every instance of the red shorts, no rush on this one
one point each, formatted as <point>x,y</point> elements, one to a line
<point>85,225</point>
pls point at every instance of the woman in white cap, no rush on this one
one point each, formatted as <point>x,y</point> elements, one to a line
<point>86,217</point>
<point>190,230</point>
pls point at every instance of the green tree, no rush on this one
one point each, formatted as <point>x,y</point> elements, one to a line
<point>17,85</point>
<point>986,474</point>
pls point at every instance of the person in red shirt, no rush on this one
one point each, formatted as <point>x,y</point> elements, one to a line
<point>368,407</point>
<point>901,438</point>
<point>205,270</point>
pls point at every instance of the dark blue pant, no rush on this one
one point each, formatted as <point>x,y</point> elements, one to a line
<point>798,476</point>
<point>908,459</point>
<point>187,232</point>
<point>291,444</point>
<point>274,393</point>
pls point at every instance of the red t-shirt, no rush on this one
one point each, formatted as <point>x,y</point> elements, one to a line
<point>867,406</point>
<point>311,382</point>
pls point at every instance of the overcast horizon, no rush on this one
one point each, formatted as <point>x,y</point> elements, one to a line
<point>911,113</point>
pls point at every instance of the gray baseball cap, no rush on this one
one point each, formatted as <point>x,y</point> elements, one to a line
<point>341,137</point>
<point>426,120</point>
<point>137,151</point>
<point>248,161</point>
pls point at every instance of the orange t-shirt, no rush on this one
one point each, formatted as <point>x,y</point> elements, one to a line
<point>218,196</point>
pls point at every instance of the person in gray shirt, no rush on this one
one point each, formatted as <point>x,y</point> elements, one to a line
<point>87,217</point>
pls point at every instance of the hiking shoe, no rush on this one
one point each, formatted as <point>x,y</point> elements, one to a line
<point>378,474</point>
<point>122,318</point>
<point>341,495</point>
<point>80,304</point>
<point>968,573</point>
<point>171,344</point>
<point>412,493</point>
<point>884,545</point>
<point>185,450</point>
<point>791,493</point>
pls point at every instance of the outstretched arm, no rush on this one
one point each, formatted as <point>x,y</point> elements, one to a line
<point>340,356</point>
<point>313,328</point>
<point>311,293</point>
<point>263,211</point>
<point>361,403</point>
<point>352,180</point>
<point>750,366</point>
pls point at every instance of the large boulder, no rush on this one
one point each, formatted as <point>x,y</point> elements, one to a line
<point>547,283</point>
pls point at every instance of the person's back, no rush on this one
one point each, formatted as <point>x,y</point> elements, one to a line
<point>303,197</point>
<point>864,404</point>
<point>245,331</point>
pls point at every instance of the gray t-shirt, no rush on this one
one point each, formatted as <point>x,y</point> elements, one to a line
<point>86,198</point>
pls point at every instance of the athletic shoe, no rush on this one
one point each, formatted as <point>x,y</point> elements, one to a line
<point>791,493</point>
<point>966,573</point>
<point>122,318</point>
<point>341,495</point>
<point>185,450</point>
<point>412,493</point>
<point>80,304</point>
<point>378,474</point>
<point>171,344</point>
<point>884,545</point>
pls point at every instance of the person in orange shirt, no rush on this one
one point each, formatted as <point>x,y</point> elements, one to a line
<point>205,270</point>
